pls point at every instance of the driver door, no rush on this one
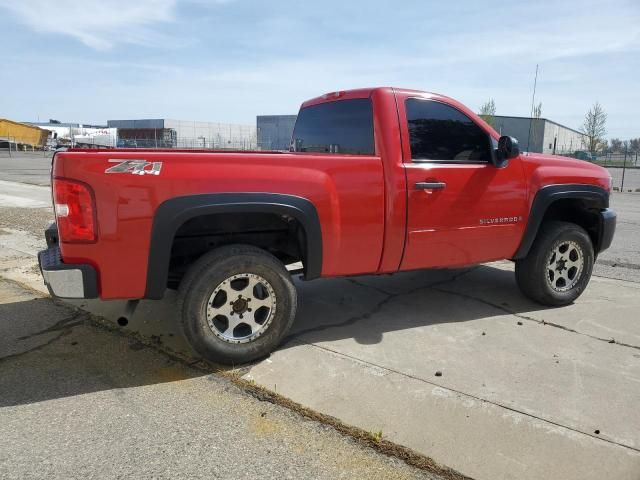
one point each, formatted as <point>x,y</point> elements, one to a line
<point>461,209</point>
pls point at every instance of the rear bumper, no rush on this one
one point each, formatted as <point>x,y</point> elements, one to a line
<point>608,218</point>
<point>65,280</point>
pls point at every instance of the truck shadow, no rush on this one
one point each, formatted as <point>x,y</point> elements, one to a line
<point>50,351</point>
<point>366,308</point>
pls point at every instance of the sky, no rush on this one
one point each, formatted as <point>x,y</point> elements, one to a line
<point>230,60</point>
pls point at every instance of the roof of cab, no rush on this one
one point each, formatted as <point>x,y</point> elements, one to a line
<point>364,93</point>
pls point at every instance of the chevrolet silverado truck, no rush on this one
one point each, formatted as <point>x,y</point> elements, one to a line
<point>376,181</point>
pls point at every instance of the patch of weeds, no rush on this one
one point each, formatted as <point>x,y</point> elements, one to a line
<point>376,436</point>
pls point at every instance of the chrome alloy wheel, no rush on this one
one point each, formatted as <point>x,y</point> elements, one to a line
<point>565,264</point>
<point>241,308</point>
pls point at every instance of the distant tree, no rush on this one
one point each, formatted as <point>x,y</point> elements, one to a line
<point>615,145</point>
<point>488,112</point>
<point>634,144</point>
<point>594,127</point>
<point>626,144</point>
<point>53,120</point>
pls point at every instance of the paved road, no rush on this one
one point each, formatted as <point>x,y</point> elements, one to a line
<point>622,260</point>
<point>25,167</point>
<point>79,401</point>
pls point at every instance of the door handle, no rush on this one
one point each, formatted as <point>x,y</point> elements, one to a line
<point>430,185</point>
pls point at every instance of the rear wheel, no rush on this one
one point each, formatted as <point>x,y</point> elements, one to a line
<point>237,303</point>
<point>558,267</point>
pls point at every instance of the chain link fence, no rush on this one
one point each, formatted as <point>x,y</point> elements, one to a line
<point>624,167</point>
<point>10,147</point>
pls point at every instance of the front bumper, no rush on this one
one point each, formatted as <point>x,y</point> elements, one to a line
<point>65,280</point>
<point>608,218</point>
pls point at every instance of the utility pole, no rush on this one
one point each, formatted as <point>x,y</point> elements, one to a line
<point>624,168</point>
<point>533,99</point>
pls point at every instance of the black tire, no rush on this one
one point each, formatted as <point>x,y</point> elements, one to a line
<point>546,278</point>
<point>206,332</point>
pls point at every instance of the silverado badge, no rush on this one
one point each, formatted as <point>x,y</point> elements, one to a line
<point>490,221</point>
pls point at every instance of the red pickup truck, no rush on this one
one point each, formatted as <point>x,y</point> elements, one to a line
<point>377,181</point>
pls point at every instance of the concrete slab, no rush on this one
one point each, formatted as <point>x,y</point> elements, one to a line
<point>26,196</point>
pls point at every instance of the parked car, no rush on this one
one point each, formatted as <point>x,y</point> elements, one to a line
<point>588,156</point>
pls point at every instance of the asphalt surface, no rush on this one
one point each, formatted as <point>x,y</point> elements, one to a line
<point>26,167</point>
<point>80,401</point>
<point>622,259</point>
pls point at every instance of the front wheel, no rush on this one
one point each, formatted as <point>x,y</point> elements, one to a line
<point>237,303</point>
<point>558,267</point>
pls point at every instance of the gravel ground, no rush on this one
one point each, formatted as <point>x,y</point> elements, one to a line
<point>31,220</point>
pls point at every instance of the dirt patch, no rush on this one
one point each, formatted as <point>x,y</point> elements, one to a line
<point>31,220</point>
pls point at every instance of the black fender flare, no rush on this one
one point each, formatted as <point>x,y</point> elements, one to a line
<point>595,197</point>
<point>173,213</point>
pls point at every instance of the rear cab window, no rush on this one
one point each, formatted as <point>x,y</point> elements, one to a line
<point>342,126</point>
<point>441,133</point>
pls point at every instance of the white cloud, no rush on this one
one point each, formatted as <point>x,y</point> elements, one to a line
<point>99,25</point>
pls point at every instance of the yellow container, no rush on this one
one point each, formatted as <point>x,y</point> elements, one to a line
<point>22,134</point>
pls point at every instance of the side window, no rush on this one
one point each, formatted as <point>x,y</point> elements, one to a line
<point>440,132</point>
<point>343,126</point>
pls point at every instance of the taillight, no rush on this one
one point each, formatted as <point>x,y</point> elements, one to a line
<point>75,211</point>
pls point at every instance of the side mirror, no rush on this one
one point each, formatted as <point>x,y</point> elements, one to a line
<point>507,148</point>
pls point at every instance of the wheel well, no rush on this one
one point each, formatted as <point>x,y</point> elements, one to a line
<point>580,212</point>
<point>281,235</point>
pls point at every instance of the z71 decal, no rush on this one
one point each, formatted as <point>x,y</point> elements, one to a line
<point>135,167</point>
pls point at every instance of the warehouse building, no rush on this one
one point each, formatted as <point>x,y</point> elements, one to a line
<point>166,133</point>
<point>540,135</point>
<point>18,136</point>
<point>274,131</point>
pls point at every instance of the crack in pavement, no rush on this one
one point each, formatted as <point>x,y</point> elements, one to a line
<point>13,356</point>
<point>64,324</point>
<point>532,319</point>
<point>619,264</point>
<point>377,307</point>
<point>616,278</point>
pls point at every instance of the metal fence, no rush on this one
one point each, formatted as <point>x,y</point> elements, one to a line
<point>624,167</point>
<point>610,159</point>
<point>9,147</point>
